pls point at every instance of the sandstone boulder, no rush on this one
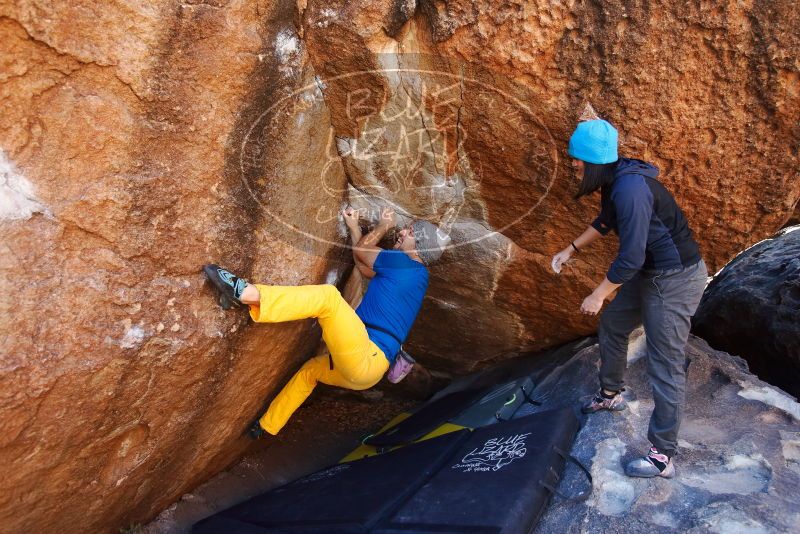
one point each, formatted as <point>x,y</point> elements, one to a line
<point>460,112</point>
<point>140,141</point>
<point>752,309</point>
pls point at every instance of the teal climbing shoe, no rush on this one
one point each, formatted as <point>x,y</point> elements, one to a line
<point>229,286</point>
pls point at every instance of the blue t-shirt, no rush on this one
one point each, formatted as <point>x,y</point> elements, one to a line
<point>393,299</point>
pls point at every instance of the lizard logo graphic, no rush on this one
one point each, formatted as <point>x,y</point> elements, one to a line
<point>495,454</point>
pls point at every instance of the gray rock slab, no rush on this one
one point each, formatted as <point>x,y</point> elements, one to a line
<point>739,457</point>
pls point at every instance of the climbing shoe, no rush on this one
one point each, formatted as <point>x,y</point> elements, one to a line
<point>601,401</point>
<point>256,431</point>
<point>655,464</point>
<point>403,363</point>
<point>229,286</point>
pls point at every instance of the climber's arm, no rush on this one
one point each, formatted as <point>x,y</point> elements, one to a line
<point>351,220</point>
<point>367,249</point>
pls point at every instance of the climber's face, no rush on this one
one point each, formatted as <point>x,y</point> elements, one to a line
<point>577,168</point>
<point>405,239</point>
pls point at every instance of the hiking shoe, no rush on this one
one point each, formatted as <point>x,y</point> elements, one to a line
<point>614,403</point>
<point>654,464</point>
<point>229,286</point>
<point>256,431</point>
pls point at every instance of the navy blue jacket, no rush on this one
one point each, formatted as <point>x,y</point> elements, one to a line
<point>653,232</point>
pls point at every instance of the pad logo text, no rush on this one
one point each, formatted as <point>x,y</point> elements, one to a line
<point>495,454</point>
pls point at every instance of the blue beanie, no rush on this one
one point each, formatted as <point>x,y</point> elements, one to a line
<point>594,142</point>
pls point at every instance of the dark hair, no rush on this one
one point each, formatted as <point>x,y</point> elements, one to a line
<point>595,176</point>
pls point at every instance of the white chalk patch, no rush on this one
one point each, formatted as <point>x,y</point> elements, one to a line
<point>742,475</point>
<point>664,519</point>
<point>287,50</point>
<point>726,519</point>
<point>133,337</point>
<point>287,45</point>
<point>345,146</point>
<point>442,303</point>
<point>741,461</point>
<point>332,277</point>
<point>614,493</point>
<point>17,197</point>
<point>790,444</point>
<point>326,16</point>
<point>771,397</point>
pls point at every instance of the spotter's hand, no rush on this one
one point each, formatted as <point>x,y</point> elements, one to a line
<point>591,305</point>
<point>560,259</point>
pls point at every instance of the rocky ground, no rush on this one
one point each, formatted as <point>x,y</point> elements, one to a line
<point>738,468</point>
<point>738,464</point>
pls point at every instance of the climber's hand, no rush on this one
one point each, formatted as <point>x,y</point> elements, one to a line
<point>591,305</point>
<point>350,216</point>
<point>560,259</point>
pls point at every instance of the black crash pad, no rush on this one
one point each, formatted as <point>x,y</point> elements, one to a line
<point>427,419</point>
<point>491,480</point>
<point>349,497</point>
<point>472,401</point>
<point>493,484</point>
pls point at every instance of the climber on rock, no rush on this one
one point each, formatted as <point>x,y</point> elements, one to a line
<point>363,343</point>
<point>660,276</point>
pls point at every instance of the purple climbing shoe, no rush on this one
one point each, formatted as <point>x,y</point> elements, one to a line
<point>401,367</point>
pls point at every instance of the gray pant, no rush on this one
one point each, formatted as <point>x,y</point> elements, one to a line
<point>664,302</point>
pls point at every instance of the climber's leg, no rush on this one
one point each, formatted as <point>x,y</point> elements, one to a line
<point>357,362</point>
<point>316,370</point>
<point>343,332</point>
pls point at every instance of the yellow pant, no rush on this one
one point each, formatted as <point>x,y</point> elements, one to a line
<point>357,362</point>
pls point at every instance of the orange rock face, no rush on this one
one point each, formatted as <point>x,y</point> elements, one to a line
<point>462,112</point>
<point>140,141</point>
<point>138,144</point>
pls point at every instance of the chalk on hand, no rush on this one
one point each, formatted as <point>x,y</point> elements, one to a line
<point>556,266</point>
